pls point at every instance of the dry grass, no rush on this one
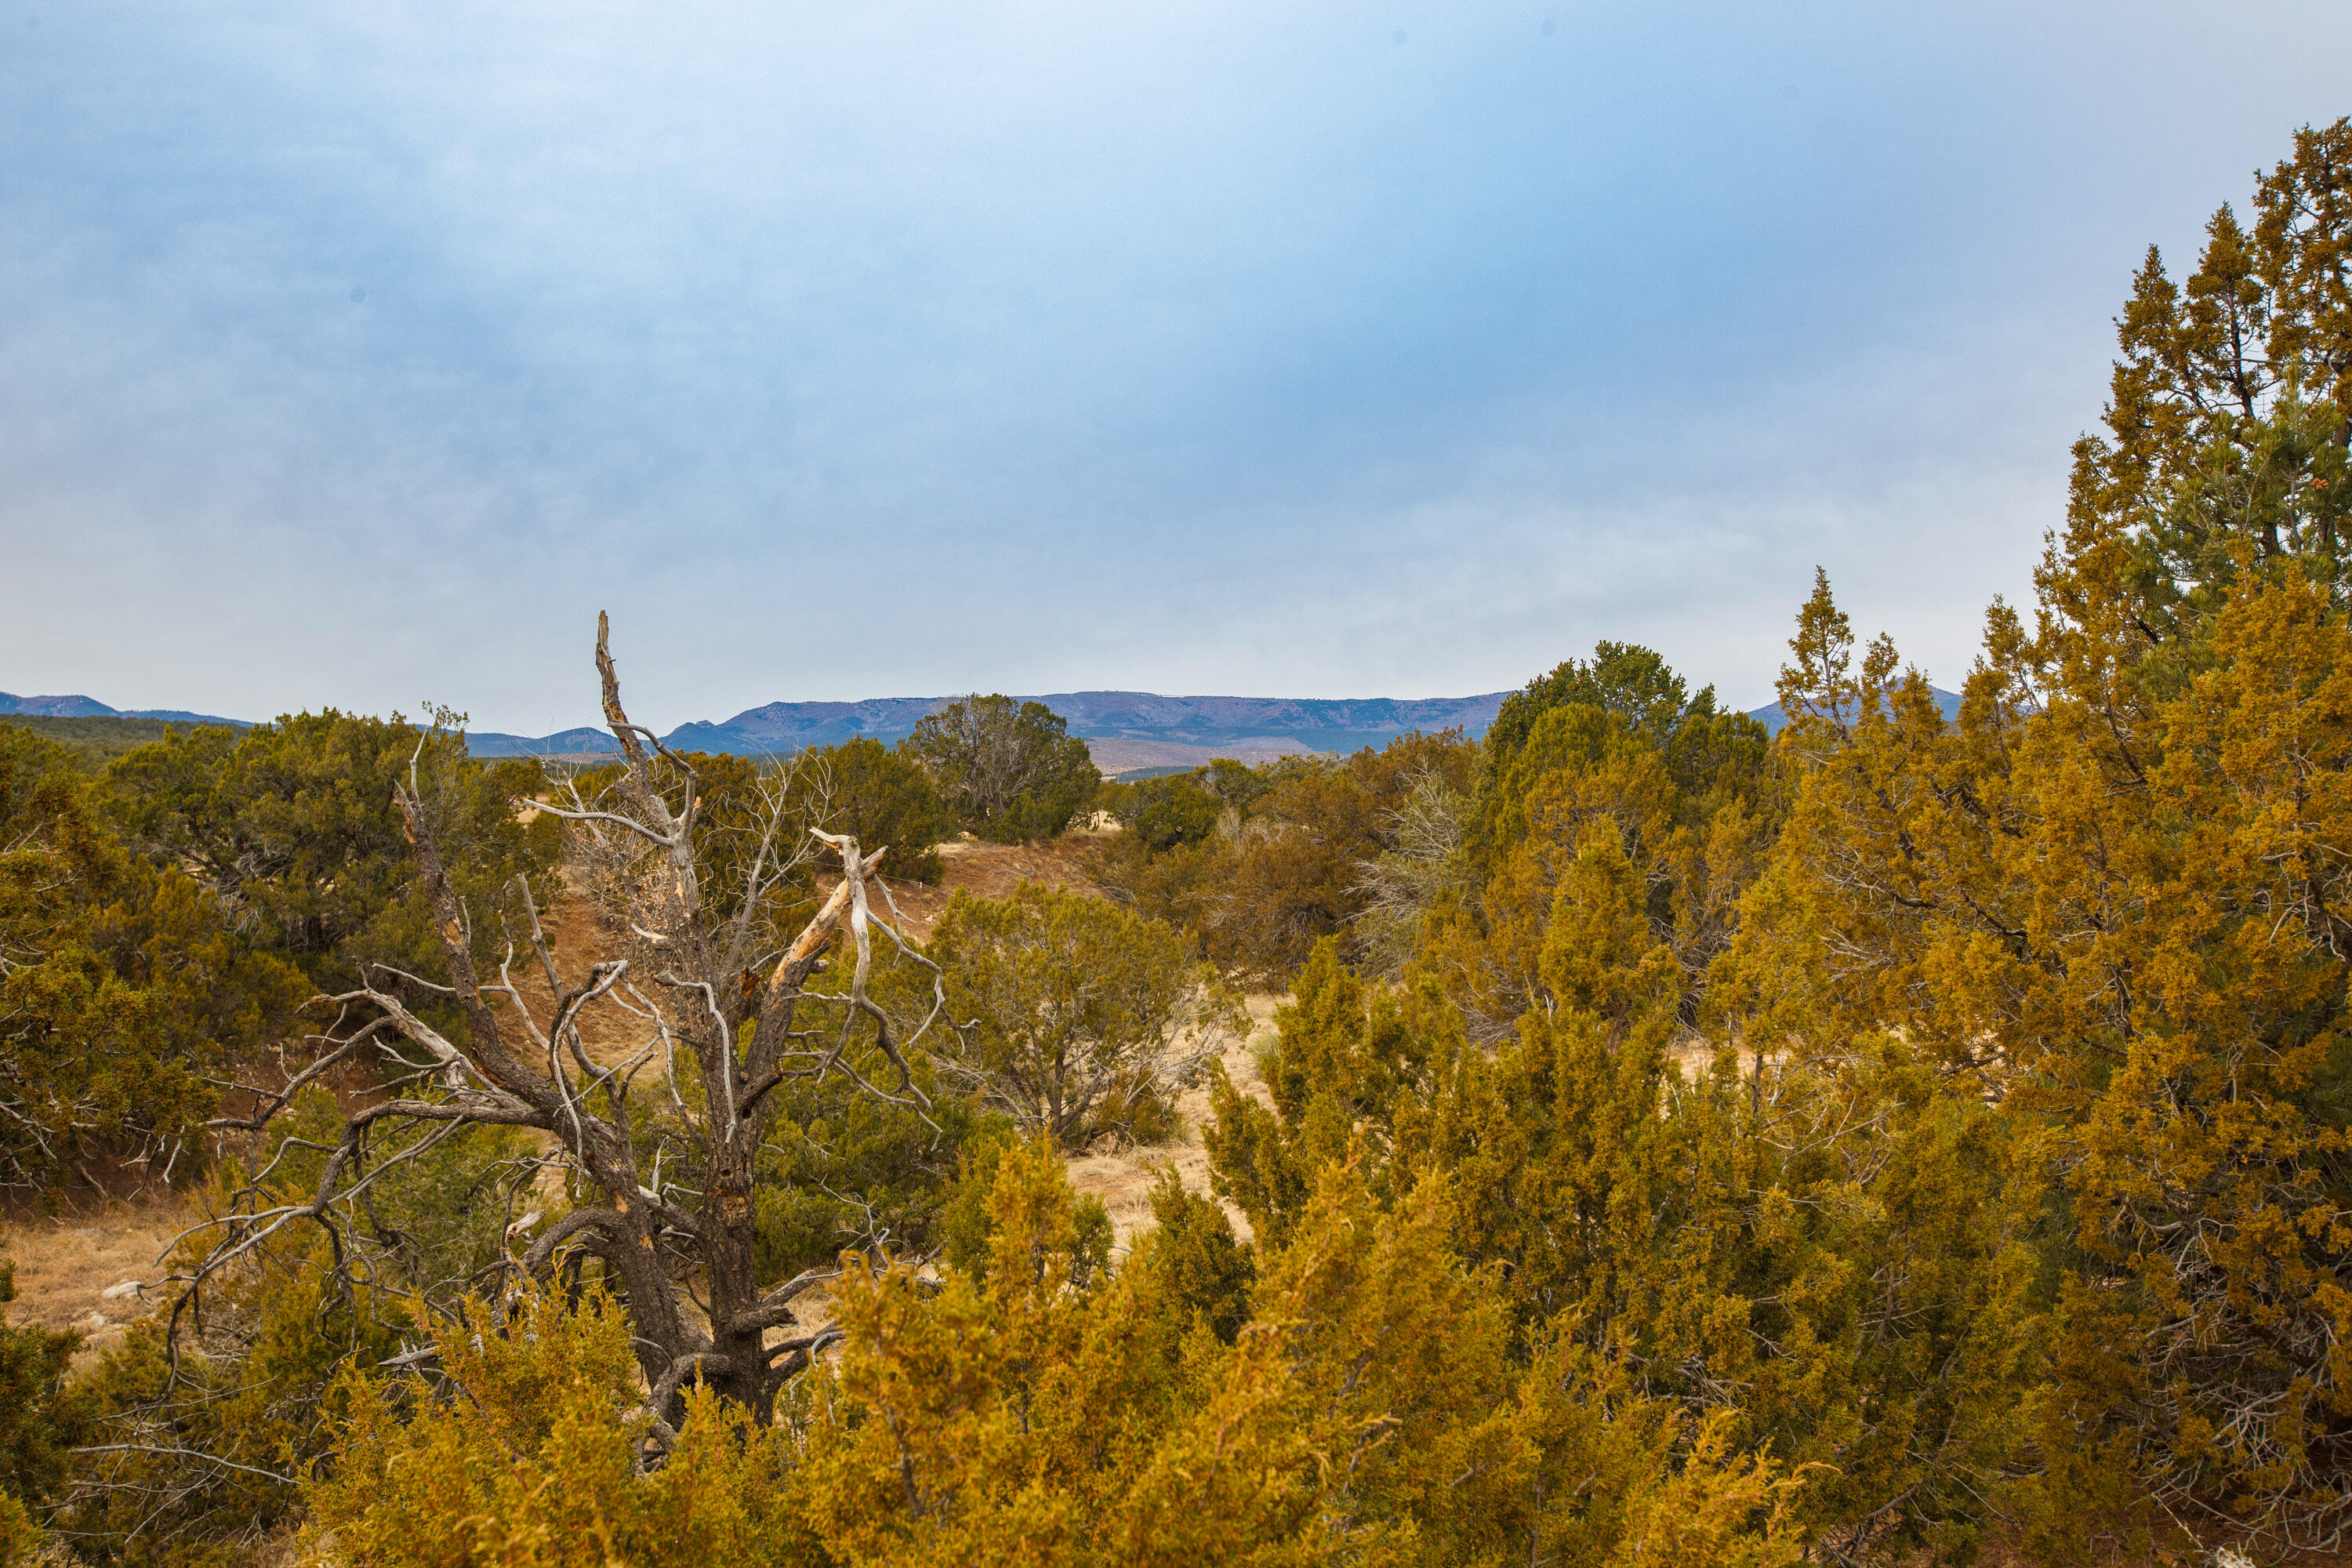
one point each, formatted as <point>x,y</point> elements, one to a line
<point>66,1266</point>
<point>1123,1181</point>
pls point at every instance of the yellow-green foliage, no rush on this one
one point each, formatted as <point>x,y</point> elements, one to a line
<point>124,985</point>
<point>1826,1260</point>
<point>200,1456</point>
<point>42,1418</point>
<point>1686,789</point>
<point>1201,1268</point>
<point>2126,934</point>
<point>2108,900</point>
<point>1072,1015</point>
<point>1377,1410</point>
<point>166,921</point>
<point>95,742</point>
<point>529,1460</point>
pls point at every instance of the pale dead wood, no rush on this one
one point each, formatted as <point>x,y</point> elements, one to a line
<point>670,1196</point>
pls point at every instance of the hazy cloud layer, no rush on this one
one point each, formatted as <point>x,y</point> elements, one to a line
<point>1304,351</point>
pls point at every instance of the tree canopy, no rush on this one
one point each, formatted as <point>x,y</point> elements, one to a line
<point>1012,772</point>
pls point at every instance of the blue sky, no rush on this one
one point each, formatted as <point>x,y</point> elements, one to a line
<point>358,355</point>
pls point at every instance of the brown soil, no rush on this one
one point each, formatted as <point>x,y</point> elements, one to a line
<point>990,871</point>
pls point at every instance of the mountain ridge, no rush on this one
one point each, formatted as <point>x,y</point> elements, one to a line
<point>1138,721</point>
<point>76,706</point>
<point>1333,723</point>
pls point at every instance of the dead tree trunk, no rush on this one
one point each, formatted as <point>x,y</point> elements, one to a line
<point>725,1004</point>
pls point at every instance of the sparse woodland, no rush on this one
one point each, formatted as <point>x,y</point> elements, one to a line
<point>1898,1138</point>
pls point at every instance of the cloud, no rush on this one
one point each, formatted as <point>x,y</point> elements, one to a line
<point>360,357</point>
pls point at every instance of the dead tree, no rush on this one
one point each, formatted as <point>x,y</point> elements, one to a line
<point>715,1005</point>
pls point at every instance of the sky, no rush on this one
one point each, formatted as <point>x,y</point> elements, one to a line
<point>359,355</point>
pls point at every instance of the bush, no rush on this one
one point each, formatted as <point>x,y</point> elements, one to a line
<point>1205,1271</point>
<point>211,1442</point>
<point>1036,1408</point>
<point>41,1421</point>
<point>883,798</point>
<point>216,1435</point>
<point>1012,775</point>
<point>1084,1019</point>
<point>124,984</point>
<point>534,1465</point>
<point>292,825</point>
<point>1164,813</point>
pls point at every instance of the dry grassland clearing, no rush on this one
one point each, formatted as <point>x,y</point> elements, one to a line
<point>92,1268</point>
<point>1123,1179</point>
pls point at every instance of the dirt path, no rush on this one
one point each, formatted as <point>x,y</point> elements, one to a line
<point>1124,1181</point>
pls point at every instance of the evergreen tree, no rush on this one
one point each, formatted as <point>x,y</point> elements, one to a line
<point>1013,773</point>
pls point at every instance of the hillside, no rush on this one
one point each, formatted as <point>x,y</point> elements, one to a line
<point>79,707</point>
<point>1126,731</point>
<point>99,741</point>
<point>1147,729</point>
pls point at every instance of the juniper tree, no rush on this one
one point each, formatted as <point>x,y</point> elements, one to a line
<point>661,1141</point>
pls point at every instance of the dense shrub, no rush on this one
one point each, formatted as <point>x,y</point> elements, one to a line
<point>1072,1015</point>
<point>124,985</point>
<point>1014,773</point>
<point>1167,813</point>
<point>291,824</point>
<point>883,796</point>
<point>42,1420</point>
<point>1029,1408</point>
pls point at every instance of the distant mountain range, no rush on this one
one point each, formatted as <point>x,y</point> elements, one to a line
<point>1121,726</point>
<point>1126,730</point>
<point>79,707</point>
